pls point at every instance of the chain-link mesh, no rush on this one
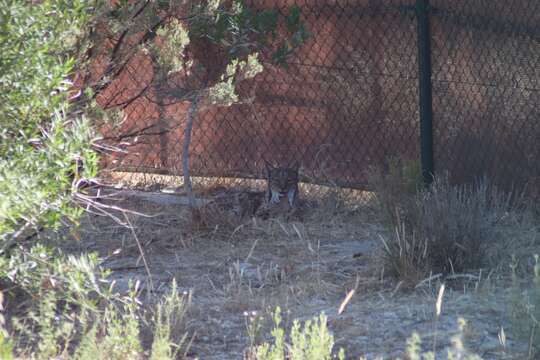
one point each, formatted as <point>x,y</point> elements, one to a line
<point>486,89</point>
<point>349,98</point>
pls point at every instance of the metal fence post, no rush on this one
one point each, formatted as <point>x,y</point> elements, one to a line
<point>425,90</point>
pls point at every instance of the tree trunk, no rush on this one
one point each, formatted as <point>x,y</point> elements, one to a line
<point>188,188</point>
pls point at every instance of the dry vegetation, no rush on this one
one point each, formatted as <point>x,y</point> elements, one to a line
<point>373,265</point>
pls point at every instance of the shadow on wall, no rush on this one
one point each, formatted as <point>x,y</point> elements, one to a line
<point>507,157</point>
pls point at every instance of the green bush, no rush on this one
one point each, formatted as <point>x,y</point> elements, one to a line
<point>73,312</point>
<point>524,304</point>
<point>61,294</point>
<point>169,325</point>
<point>40,138</point>
<point>311,340</point>
<point>457,349</point>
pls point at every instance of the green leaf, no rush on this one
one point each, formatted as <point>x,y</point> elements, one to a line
<point>293,19</point>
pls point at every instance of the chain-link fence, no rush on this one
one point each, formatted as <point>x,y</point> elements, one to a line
<point>350,98</point>
<point>486,89</point>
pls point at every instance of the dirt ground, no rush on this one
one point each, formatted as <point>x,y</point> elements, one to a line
<point>237,267</point>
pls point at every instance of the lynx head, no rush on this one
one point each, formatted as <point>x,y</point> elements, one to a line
<point>282,181</point>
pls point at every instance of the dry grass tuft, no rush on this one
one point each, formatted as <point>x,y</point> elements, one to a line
<point>406,257</point>
<point>395,189</point>
<point>214,218</point>
<point>445,229</point>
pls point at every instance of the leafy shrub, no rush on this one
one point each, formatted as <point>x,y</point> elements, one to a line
<point>6,346</point>
<point>72,313</point>
<point>311,340</point>
<point>40,140</point>
<point>169,322</point>
<point>525,307</point>
<point>457,349</point>
<point>60,295</point>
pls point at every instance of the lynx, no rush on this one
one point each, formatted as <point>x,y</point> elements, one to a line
<point>280,197</point>
<point>282,183</point>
